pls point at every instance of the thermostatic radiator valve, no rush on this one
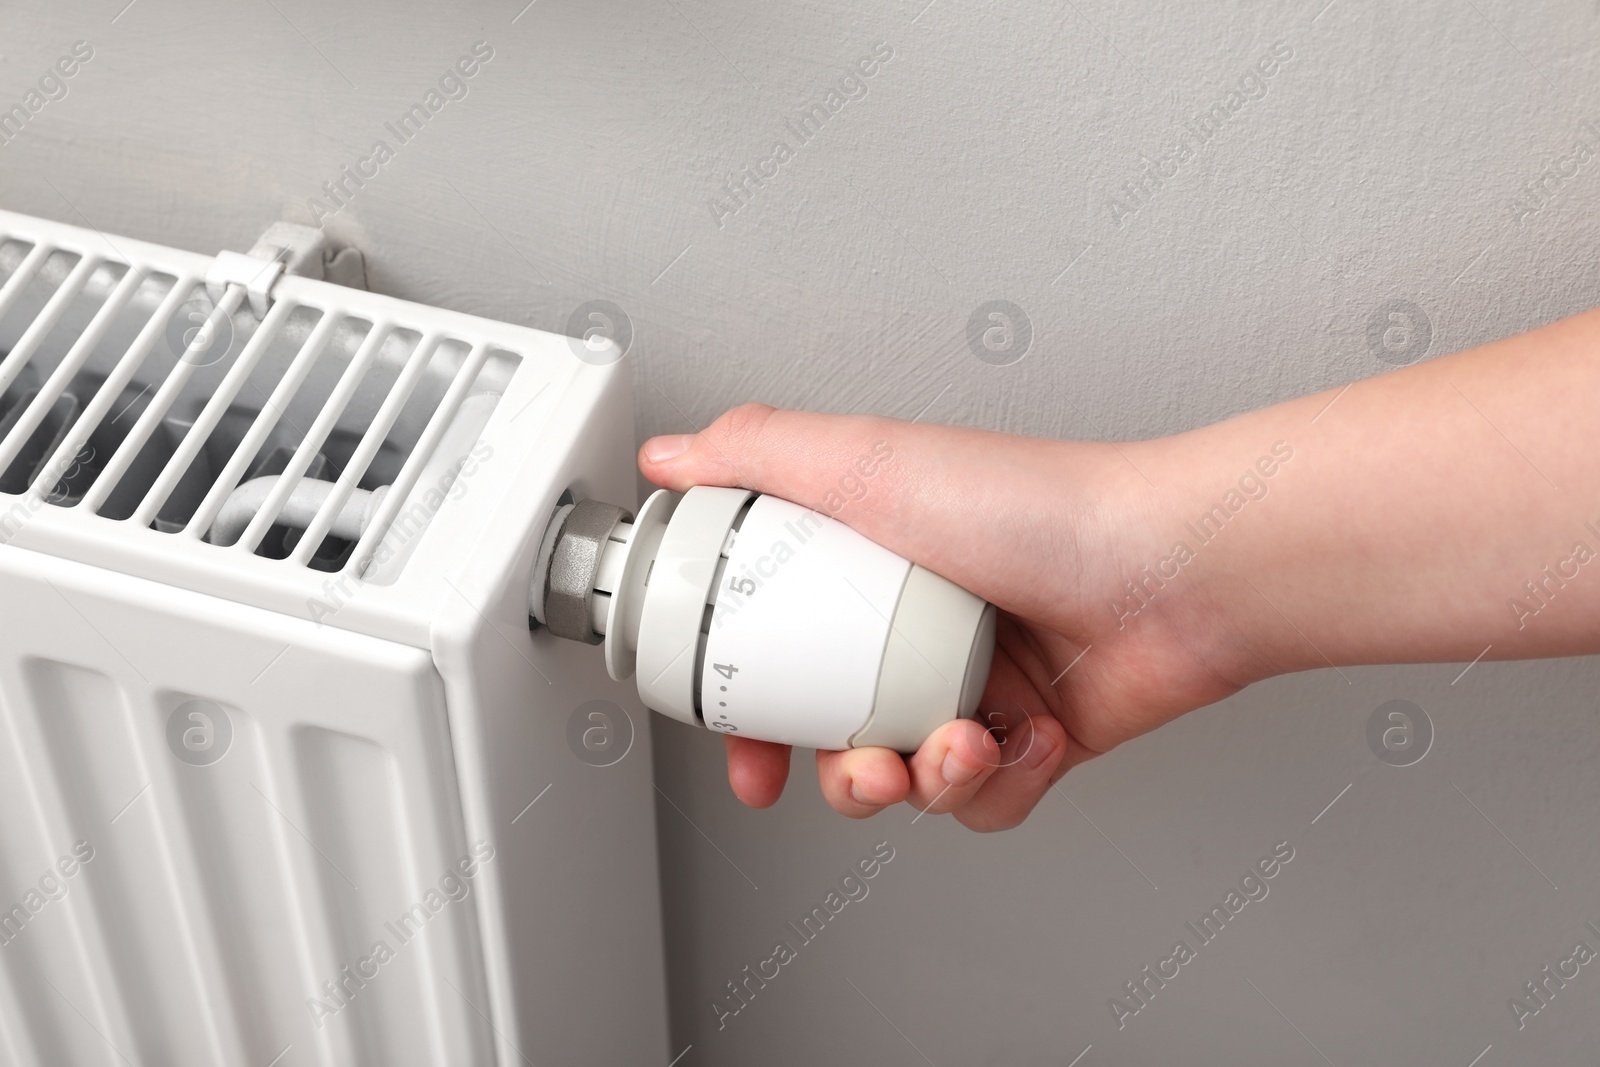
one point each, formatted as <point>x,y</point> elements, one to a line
<point>754,616</point>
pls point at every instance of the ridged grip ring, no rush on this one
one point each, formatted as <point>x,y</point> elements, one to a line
<point>569,586</point>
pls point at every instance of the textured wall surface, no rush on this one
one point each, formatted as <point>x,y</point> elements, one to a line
<point>1388,158</point>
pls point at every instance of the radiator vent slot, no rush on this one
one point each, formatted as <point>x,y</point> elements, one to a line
<point>128,394</point>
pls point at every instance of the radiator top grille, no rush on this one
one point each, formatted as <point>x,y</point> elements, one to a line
<point>129,394</point>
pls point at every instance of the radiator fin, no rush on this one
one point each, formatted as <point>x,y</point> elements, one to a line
<point>349,796</point>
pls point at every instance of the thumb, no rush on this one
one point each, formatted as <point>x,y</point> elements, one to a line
<point>793,454</point>
<point>916,489</point>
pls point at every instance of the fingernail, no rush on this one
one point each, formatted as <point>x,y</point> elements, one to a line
<point>855,791</point>
<point>1040,752</point>
<point>956,771</point>
<point>661,449</point>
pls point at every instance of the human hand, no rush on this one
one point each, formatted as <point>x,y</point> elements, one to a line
<point>1141,580</point>
<point>1042,529</point>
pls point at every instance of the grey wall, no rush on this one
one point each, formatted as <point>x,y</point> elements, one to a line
<point>1383,163</point>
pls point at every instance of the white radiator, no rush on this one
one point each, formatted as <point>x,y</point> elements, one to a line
<point>301,793</point>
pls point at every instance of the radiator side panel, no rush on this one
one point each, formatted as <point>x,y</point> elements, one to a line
<point>574,947</point>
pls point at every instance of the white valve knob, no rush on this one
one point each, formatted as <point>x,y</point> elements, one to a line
<point>748,614</point>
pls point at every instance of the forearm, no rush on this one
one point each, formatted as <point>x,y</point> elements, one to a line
<point>1424,514</point>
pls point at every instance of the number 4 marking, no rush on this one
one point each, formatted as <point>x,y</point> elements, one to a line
<point>727,670</point>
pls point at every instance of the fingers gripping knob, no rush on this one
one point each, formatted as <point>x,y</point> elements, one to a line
<point>751,615</point>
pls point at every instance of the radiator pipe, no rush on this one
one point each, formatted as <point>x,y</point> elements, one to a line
<point>298,510</point>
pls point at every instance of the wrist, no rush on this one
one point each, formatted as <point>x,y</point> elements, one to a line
<point>1205,499</point>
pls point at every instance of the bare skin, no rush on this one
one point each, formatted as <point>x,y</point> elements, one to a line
<point>1398,520</point>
